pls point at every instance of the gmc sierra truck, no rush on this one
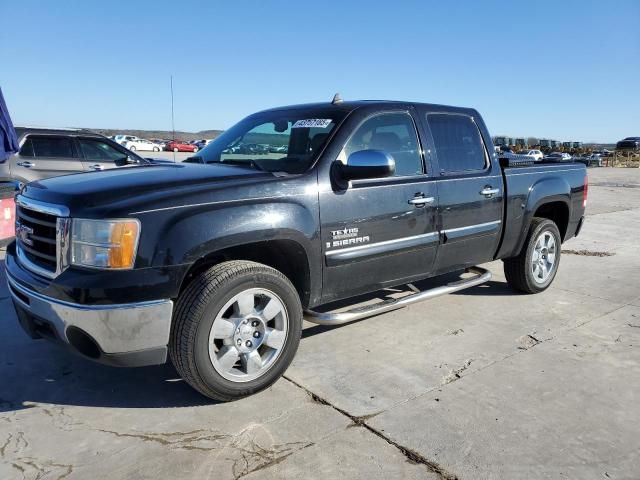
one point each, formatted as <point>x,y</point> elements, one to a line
<point>214,262</point>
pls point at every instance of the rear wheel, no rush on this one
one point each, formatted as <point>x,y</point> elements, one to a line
<point>236,329</point>
<point>195,149</point>
<point>533,270</point>
<point>156,149</point>
<point>132,148</point>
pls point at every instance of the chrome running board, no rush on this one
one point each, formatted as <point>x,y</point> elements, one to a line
<point>338,318</point>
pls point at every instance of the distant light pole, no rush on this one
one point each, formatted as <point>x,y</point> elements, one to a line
<point>173,125</point>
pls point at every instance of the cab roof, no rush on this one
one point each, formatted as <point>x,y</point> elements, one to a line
<point>352,105</point>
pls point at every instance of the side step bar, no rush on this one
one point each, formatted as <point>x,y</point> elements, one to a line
<point>482,276</point>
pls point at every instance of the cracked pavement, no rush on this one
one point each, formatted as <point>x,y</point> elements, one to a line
<point>485,383</point>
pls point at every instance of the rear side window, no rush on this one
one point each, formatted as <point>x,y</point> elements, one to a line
<point>457,143</point>
<point>48,146</point>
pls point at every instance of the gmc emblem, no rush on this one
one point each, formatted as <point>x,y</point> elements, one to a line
<point>23,232</point>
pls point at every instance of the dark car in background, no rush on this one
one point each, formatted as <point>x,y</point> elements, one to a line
<point>558,157</point>
<point>629,143</point>
<point>48,153</point>
<point>591,160</point>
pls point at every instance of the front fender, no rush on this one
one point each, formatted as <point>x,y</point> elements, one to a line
<point>188,236</point>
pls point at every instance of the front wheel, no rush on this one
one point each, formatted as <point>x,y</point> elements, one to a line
<point>175,149</point>
<point>195,149</point>
<point>132,148</point>
<point>236,329</point>
<point>156,149</point>
<point>533,270</point>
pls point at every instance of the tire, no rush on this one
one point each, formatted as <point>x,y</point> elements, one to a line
<point>199,351</point>
<point>195,149</point>
<point>156,149</point>
<point>132,148</point>
<point>175,149</point>
<point>521,271</point>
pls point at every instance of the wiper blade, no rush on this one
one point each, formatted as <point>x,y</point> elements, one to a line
<point>194,159</point>
<point>243,163</point>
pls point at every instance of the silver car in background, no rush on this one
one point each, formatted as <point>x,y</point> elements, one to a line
<point>48,153</point>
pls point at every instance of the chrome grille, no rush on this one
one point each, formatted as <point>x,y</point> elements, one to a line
<point>41,235</point>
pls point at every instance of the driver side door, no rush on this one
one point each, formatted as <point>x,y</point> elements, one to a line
<point>380,232</point>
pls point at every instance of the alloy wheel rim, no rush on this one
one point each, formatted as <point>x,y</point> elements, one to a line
<point>248,335</point>
<point>543,258</point>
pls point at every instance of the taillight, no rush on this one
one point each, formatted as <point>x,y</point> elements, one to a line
<point>585,192</point>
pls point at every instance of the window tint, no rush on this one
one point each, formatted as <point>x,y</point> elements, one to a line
<point>393,133</point>
<point>99,150</point>
<point>457,142</point>
<point>51,146</point>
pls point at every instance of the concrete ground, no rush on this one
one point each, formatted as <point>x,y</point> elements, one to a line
<point>485,383</point>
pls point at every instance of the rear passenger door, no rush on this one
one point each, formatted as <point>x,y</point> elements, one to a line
<point>98,154</point>
<point>43,156</point>
<point>469,191</point>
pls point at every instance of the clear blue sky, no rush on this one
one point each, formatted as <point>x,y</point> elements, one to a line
<point>561,69</point>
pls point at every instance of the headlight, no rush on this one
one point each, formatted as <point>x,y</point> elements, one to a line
<point>104,243</point>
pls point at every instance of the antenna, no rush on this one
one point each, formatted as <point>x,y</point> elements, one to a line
<point>173,125</point>
<point>336,99</point>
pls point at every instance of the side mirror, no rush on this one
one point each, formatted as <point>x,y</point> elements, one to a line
<point>368,164</point>
<point>124,161</point>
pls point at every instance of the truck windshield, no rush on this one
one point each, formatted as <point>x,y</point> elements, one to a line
<point>275,141</point>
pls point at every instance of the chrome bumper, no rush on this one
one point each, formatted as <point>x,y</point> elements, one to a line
<point>132,334</point>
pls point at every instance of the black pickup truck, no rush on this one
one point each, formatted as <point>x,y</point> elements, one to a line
<point>217,260</point>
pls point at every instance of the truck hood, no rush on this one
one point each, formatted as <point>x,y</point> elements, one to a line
<point>131,185</point>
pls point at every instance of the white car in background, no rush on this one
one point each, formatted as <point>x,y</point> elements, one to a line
<point>536,154</point>
<point>122,139</point>
<point>142,145</point>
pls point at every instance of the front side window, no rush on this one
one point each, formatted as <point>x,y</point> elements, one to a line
<point>393,133</point>
<point>457,142</point>
<point>286,141</point>
<point>98,150</point>
<point>48,146</point>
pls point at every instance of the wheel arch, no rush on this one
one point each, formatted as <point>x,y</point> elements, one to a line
<point>285,255</point>
<point>550,198</point>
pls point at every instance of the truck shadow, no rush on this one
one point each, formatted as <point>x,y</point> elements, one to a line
<point>36,371</point>
<point>491,288</point>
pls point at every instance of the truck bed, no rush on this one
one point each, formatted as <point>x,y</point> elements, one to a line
<point>526,185</point>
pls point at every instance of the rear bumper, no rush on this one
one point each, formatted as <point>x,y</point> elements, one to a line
<point>127,335</point>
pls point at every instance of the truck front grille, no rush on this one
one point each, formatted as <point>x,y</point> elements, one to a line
<point>41,234</point>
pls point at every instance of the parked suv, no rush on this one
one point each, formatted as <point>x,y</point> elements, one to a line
<point>48,153</point>
<point>629,143</point>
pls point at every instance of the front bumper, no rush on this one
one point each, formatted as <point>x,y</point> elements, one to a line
<point>128,335</point>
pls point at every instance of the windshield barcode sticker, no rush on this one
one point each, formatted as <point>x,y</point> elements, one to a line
<point>312,122</point>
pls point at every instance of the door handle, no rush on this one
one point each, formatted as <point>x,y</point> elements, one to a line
<point>26,164</point>
<point>96,167</point>
<point>420,201</point>
<point>489,192</point>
